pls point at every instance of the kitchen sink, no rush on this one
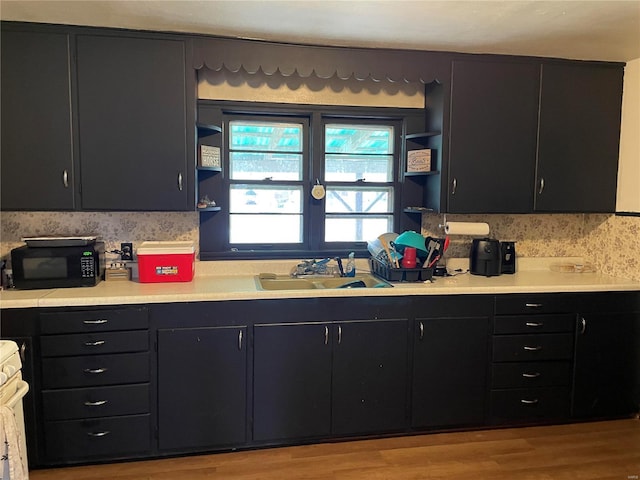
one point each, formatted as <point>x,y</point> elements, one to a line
<point>271,281</point>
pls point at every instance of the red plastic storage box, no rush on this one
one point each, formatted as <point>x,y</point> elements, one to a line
<point>166,262</point>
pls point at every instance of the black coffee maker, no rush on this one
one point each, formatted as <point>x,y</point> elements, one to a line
<point>485,257</point>
<point>508,257</point>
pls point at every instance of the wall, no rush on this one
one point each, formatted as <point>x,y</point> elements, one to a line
<point>628,199</point>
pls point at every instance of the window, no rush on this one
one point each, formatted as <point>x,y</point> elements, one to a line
<point>273,157</point>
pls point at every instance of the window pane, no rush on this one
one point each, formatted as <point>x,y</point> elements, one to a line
<point>258,166</point>
<point>359,200</point>
<point>350,168</point>
<point>356,229</point>
<point>246,228</point>
<point>265,136</point>
<point>265,199</point>
<point>368,139</point>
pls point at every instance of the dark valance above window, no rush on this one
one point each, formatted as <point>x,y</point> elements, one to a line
<point>324,62</point>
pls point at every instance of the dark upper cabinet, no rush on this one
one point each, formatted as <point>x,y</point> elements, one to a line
<point>492,137</point>
<point>135,124</point>
<point>579,135</point>
<point>37,161</point>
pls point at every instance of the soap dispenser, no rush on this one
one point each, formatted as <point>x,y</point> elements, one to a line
<point>351,266</point>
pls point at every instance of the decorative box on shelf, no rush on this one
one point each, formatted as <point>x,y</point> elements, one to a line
<point>419,160</point>
<point>209,156</point>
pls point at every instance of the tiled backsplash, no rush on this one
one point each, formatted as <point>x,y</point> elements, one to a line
<point>611,242</point>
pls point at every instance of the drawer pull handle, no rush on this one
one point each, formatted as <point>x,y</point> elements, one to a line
<point>339,334</point>
<point>95,322</point>
<point>94,344</point>
<point>583,325</point>
<point>95,370</point>
<point>532,349</point>
<point>326,335</point>
<point>531,375</point>
<point>99,403</point>
<point>421,330</point>
<point>533,305</point>
<point>98,434</point>
<point>529,402</point>
<point>534,324</point>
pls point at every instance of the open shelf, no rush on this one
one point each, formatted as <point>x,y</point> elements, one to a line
<point>210,209</point>
<point>209,169</point>
<point>206,130</point>
<point>419,210</point>
<point>421,174</point>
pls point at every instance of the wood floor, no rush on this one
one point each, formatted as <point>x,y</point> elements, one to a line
<point>587,451</point>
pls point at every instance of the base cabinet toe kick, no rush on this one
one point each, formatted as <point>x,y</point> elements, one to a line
<point>148,381</point>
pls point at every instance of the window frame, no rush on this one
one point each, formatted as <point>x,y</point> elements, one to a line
<point>317,116</point>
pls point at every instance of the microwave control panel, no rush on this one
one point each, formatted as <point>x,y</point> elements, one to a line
<point>88,267</point>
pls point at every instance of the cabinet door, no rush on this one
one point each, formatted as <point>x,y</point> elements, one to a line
<point>449,371</point>
<point>292,381</point>
<point>132,112</point>
<point>579,137</point>
<point>202,380</point>
<point>492,148</point>
<point>606,365</point>
<point>369,381</point>
<point>37,160</point>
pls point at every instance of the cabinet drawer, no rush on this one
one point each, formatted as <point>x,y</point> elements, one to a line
<point>530,374</point>
<point>76,403</point>
<point>94,343</point>
<point>104,437</point>
<point>103,320</point>
<point>534,323</point>
<point>535,304</point>
<point>95,370</point>
<point>529,403</point>
<point>547,346</point>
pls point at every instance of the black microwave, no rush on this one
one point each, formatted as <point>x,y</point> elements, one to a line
<point>58,267</point>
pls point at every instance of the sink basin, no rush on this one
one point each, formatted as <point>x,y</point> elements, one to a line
<point>271,281</point>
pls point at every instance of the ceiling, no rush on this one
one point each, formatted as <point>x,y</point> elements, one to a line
<point>587,30</point>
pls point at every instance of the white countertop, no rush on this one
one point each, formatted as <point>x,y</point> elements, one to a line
<point>217,281</point>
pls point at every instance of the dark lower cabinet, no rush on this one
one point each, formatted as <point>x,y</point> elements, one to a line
<point>292,381</point>
<point>369,377</point>
<point>449,371</point>
<point>202,385</point>
<point>320,379</point>
<point>607,365</point>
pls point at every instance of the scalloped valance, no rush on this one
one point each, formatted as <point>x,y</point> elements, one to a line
<point>325,62</point>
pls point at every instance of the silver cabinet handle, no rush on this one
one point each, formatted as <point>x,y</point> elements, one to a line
<point>326,335</point>
<point>240,340</point>
<point>533,305</point>
<point>95,370</point>
<point>541,186</point>
<point>339,335</point>
<point>421,330</point>
<point>180,181</point>
<point>65,178</point>
<point>532,349</point>
<point>454,185</point>
<point>99,403</point>
<point>95,344</point>
<point>583,325</point>
<point>98,434</point>
<point>23,351</point>
<point>529,402</point>
<point>531,375</point>
<point>534,324</point>
<point>95,322</point>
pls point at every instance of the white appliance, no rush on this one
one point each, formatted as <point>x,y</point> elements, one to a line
<point>12,391</point>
